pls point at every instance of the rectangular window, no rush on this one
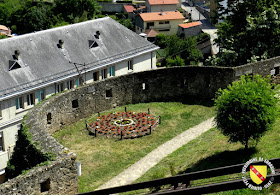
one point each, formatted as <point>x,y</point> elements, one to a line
<point>276,70</point>
<point>59,87</point>
<point>104,73</point>
<point>30,99</point>
<point>112,71</point>
<point>149,24</point>
<point>19,103</point>
<point>1,141</point>
<point>41,95</point>
<point>95,76</point>
<point>164,22</point>
<point>163,30</point>
<point>70,84</point>
<point>130,65</point>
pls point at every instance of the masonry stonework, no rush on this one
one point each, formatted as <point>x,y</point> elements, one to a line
<point>166,84</point>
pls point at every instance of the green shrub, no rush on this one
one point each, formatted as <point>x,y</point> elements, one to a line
<point>246,109</point>
<point>177,61</point>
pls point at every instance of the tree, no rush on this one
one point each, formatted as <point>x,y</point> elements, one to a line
<point>246,109</point>
<point>37,18</point>
<point>3,36</point>
<point>250,32</point>
<point>185,49</point>
<point>161,40</point>
<point>177,61</point>
<point>75,9</point>
<point>127,23</point>
<point>28,15</point>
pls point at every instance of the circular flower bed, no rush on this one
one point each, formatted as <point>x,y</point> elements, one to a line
<point>124,124</point>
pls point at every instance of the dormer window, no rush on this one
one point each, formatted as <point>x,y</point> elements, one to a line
<point>92,44</point>
<point>60,44</point>
<point>13,65</point>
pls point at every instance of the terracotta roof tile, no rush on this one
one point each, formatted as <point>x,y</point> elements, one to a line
<point>2,27</point>
<point>155,16</point>
<point>163,2</point>
<point>189,25</point>
<point>151,33</point>
<point>129,8</point>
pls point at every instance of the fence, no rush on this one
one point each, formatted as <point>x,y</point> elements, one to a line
<point>186,178</point>
<point>93,130</point>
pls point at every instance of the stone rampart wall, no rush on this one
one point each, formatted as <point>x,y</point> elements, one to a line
<point>263,67</point>
<point>171,84</point>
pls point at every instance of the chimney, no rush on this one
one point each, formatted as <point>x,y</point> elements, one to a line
<point>97,34</point>
<point>17,54</point>
<point>60,44</point>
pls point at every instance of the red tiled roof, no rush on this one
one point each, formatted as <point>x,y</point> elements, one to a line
<point>163,2</point>
<point>191,24</point>
<point>129,8</point>
<point>151,33</point>
<point>155,16</point>
<point>2,27</point>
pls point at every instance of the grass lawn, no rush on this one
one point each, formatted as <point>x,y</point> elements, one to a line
<point>103,158</point>
<point>212,150</point>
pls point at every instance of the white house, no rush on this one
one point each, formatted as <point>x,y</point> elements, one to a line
<point>36,65</point>
<point>161,22</point>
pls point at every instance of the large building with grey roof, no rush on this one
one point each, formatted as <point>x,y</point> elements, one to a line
<point>37,65</point>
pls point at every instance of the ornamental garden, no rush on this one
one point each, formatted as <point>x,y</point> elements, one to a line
<point>124,124</point>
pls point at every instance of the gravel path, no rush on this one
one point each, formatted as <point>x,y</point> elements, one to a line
<point>142,166</point>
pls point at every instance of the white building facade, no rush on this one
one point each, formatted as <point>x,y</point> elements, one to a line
<point>37,65</point>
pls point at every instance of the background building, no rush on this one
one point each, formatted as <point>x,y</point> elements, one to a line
<point>161,22</point>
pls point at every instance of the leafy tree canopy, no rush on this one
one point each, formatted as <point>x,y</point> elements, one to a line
<point>185,49</point>
<point>177,61</point>
<point>246,109</point>
<point>3,36</point>
<point>27,15</point>
<point>250,32</point>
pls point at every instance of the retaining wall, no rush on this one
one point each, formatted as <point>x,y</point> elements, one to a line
<point>167,84</point>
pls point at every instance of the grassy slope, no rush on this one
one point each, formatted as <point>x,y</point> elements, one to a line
<point>212,150</point>
<point>103,158</point>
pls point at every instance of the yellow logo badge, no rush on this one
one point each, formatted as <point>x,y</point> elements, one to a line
<point>258,173</point>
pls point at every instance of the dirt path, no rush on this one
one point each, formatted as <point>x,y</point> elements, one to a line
<point>142,166</point>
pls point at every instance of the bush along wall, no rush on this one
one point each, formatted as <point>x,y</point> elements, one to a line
<point>39,164</point>
<point>25,155</point>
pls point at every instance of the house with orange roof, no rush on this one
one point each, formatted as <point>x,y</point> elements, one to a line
<point>161,22</point>
<point>129,9</point>
<point>161,5</point>
<point>189,29</point>
<point>5,30</point>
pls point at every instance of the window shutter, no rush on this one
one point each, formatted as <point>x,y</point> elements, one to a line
<point>77,82</point>
<point>17,103</point>
<point>39,96</point>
